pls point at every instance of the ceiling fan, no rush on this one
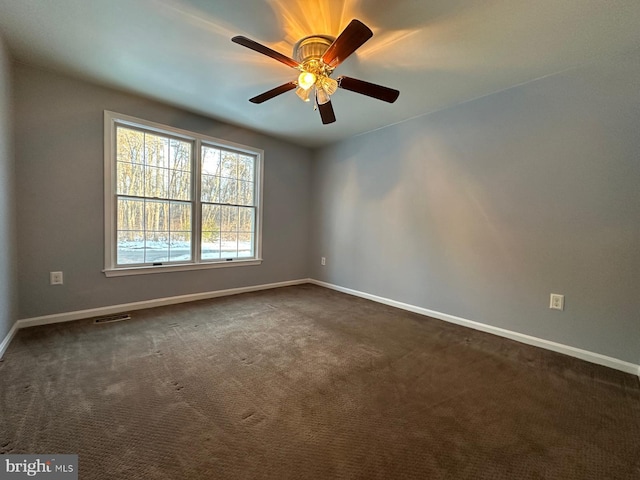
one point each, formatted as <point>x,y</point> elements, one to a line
<point>316,56</point>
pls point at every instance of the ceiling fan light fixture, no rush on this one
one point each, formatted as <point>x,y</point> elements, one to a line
<point>329,85</point>
<point>303,94</point>
<point>306,80</point>
<point>322,96</point>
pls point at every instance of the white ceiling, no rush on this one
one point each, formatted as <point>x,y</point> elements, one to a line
<point>438,53</point>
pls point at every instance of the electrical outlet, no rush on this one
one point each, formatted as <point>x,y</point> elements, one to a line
<point>55,278</point>
<point>556,302</point>
<point>323,261</point>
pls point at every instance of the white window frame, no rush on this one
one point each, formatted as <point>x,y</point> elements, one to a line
<point>111,121</point>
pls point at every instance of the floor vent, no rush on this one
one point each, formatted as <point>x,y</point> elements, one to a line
<point>113,318</point>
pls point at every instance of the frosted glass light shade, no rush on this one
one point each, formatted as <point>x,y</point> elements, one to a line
<point>322,97</point>
<point>303,94</point>
<point>329,85</point>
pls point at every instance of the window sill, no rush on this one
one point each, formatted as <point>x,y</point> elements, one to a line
<point>125,271</point>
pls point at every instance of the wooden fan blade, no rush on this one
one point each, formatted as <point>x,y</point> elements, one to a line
<point>347,42</point>
<point>385,94</point>
<point>258,47</point>
<point>326,113</point>
<point>274,92</point>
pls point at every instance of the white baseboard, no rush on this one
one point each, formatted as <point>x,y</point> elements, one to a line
<point>158,302</point>
<point>586,355</point>
<point>7,339</point>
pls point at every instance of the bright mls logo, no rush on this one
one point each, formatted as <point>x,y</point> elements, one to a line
<point>50,467</point>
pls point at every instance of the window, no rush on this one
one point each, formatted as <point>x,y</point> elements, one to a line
<point>177,200</point>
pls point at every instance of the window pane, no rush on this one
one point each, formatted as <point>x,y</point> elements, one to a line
<point>180,214</point>
<point>180,246</point>
<point>130,179</point>
<point>153,231</point>
<point>156,248</point>
<point>130,214</point>
<point>246,219</point>
<point>229,244</point>
<point>209,188</point>
<point>156,150</point>
<point>228,164</point>
<point>156,182</point>
<point>229,219</point>
<point>245,168</point>
<point>156,216</point>
<point>130,145</point>
<point>245,193</point>
<point>210,161</point>
<point>245,244</point>
<point>210,232</point>
<point>228,190</point>
<point>210,218</point>
<point>130,248</point>
<point>179,185</point>
<point>179,155</point>
<point>210,245</point>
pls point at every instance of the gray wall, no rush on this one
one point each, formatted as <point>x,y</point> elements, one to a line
<point>482,210</point>
<point>8,251</point>
<point>59,157</point>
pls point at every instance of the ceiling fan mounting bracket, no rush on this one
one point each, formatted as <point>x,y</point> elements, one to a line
<point>311,47</point>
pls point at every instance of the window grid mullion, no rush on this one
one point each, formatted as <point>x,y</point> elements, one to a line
<point>228,204</point>
<point>196,222</point>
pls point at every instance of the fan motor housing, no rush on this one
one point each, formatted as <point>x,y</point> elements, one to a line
<point>311,47</point>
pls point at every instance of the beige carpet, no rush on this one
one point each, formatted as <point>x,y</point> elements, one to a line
<point>307,383</point>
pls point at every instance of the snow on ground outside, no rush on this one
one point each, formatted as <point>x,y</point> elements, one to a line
<point>154,252</point>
